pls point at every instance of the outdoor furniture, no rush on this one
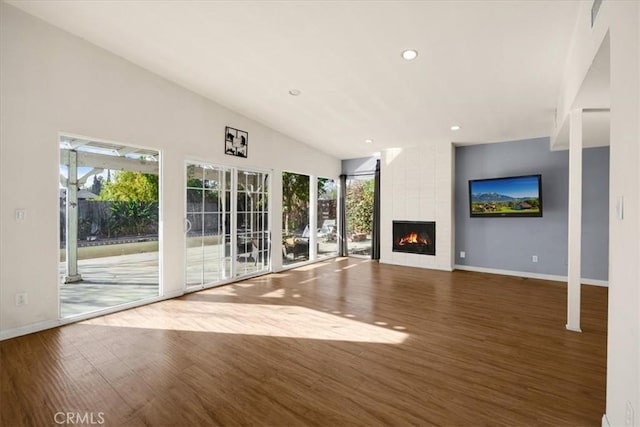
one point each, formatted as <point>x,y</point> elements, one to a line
<point>296,246</point>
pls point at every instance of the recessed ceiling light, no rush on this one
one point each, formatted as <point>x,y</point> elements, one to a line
<point>410,54</point>
<point>294,92</point>
<point>368,141</point>
<point>455,127</point>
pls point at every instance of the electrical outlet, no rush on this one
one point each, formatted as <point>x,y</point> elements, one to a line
<point>628,415</point>
<point>21,299</point>
<point>534,258</point>
<point>463,254</point>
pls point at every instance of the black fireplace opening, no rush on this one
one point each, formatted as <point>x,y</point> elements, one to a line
<point>415,237</point>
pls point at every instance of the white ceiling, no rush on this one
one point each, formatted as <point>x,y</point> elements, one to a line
<point>494,67</point>
<point>594,98</point>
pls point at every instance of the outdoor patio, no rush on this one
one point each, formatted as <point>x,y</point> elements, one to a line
<point>109,282</point>
<point>114,280</point>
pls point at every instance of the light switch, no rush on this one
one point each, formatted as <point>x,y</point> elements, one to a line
<point>620,208</point>
<point>21,214</point>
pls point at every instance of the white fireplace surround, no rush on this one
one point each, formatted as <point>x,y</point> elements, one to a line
<point>417,185</point>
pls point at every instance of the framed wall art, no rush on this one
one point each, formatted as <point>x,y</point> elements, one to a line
<point>236,142</point>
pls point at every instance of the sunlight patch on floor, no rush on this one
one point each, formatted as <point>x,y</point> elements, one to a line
<point>251,319</point>
<point>278,293</point>
<point>220,291</point>
<point>243,285</point>
<point>312,266</point>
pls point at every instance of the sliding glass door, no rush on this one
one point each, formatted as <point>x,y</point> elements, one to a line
<point>227,224</point>
<point>206,258</point>
<point>359,213</point>
<point>252,224</point>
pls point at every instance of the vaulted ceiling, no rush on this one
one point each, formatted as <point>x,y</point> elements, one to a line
<point>494,67</point>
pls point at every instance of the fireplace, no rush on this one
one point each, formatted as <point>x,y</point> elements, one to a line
<point>415,237</point>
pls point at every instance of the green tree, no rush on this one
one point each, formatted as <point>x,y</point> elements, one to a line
<point>131,186</point>
<point>327,189</point>
<point>295,200</point>
<point>96,187</point>
<point>133,217</point>
<point>134,198</point>
<point>360,206</point>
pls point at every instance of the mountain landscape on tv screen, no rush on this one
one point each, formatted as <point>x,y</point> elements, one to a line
<point>495,197</point>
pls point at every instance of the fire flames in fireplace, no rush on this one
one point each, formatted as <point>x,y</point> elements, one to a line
<point>412,239</point>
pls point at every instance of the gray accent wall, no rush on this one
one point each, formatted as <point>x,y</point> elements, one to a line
<point>595,213</point>
<point>510,243</point>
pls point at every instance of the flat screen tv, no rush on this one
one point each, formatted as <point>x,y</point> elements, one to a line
<point>513,196</point>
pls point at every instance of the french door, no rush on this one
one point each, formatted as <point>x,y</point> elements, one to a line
<point>227,224</point>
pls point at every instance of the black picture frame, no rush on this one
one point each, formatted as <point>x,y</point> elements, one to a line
<point>236,142</point>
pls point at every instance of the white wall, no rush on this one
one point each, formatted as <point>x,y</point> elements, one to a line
<point>637,307</point>
<point>416,185</point>
<point>53,82</point>
<point>622,21</point>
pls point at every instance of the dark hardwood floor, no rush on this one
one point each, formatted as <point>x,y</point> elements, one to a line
<point>344,342</point>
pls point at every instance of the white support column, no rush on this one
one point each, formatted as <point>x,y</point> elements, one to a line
<point>313,217</point>
<point>233,227</point>
<point>72,221</point>
<point>575,221</point>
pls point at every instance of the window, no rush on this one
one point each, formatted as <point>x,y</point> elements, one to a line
<point>295,218</point>
<point>327,225</point>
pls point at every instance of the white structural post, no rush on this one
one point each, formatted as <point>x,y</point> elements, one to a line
<point>313,217</point>
<point>72,221</point>
<point>233,227</point>
<point>575,221</point>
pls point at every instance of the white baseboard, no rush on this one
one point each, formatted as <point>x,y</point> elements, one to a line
<point>49,324</point>
<point>572,328</point>
<point>173,294</point>
<point>594,282</point>
<point>427,267</point>
<point>28,329</point>
<point>605,421</point>
<point>553,277</point>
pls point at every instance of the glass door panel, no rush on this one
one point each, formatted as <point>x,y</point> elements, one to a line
<point>295,218</point>
<point>205,225</point>
<point>194,257</point>
<point>327,231</point>
<point>359,210</point>
<point>225,239</point>
<point>213,250</point>
<point>252,230</point>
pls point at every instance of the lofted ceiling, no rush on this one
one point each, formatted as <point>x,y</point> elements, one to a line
<point>594,99</point>
<point>494,67</point>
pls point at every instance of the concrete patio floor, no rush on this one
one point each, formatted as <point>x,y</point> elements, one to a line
<point>111,281</point>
